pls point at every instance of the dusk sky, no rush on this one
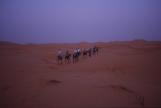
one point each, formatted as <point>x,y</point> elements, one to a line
<point>43,21</point>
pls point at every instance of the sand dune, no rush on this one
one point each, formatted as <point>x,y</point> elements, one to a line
<point>123,74</point>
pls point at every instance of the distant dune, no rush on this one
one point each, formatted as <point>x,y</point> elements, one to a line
<point>123,74</point>
<point>8,43</point>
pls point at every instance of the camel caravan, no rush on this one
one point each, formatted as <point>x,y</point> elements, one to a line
<point>74,57</point>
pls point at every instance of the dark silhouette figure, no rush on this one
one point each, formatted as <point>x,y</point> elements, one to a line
<point>90,52</point>
<point>67,57</point>
<point>95,50</point>
<point>75,56</point>
<point>60,57</point>
<point>84,53</point>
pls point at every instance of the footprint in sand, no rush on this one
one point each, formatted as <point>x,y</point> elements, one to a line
<point>138,99</point>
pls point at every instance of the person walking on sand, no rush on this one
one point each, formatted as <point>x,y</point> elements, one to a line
<point>90,51</point>
<point>60,56</point>
<point>75,56</point>
<point>67,57</point>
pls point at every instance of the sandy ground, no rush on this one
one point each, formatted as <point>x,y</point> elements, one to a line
<point>123,74</point>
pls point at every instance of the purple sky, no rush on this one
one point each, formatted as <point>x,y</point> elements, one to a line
<point>42,21</point>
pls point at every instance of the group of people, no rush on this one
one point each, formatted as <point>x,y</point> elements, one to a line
<point>75,56</point>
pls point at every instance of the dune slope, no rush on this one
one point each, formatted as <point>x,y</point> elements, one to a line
<point>123,74</point>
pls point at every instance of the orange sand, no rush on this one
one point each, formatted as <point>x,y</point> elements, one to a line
<point>124,74</point>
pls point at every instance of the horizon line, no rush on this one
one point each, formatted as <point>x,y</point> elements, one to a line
<point>89,42</point>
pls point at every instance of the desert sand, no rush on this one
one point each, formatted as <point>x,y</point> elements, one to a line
<point>123,74</point>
